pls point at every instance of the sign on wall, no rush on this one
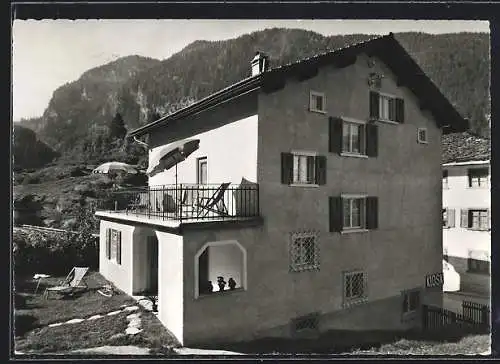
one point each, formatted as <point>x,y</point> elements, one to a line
<point>434,280</point>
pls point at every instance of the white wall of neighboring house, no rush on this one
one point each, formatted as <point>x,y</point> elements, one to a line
<point>231,152</point>
<point>458,241</point>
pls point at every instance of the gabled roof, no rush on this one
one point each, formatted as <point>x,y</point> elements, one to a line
<point>465,147</point>
<point>386,48</point>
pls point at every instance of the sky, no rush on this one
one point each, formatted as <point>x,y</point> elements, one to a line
<point>49,53</point>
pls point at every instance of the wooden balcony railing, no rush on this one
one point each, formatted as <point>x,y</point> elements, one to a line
<point>186,201</point>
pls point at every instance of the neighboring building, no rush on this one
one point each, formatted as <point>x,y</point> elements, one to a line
<point>466,209</point>
<point>332,217</point>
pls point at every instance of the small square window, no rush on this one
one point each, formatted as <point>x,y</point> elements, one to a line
<point>422,135</point>
<point>354,287</point>
<point>304,252</point>
<point>317,102</point>
<point>411,301</point>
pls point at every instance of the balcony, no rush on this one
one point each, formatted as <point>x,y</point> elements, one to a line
<point>184,203</point>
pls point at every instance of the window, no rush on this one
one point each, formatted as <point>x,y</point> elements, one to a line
<point>352,137</point>
<point>304,252</point>
<point>303,168</point>
<point>354,287</point>
<point>317,102</point>
<point>353,213</point>
<point>478,177</point>
<point>445,179</point>
<point>478,262</point>
<point>422,135</point>
<point>305,324</point>
<point>114,245</point>
<point>386,107</point>
<point>448,218</point>
<point>475,219</point>
<point>201,171</point>
<point>354,216</point>
<point>411,301</point>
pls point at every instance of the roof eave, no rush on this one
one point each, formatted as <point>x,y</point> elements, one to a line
<point>231,91</point>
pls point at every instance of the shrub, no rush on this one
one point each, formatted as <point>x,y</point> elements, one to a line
<point>31,179</point>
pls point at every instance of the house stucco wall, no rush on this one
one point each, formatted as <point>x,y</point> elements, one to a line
<point>120,274</point>
<point>170,283</point>
<point>406,177</point>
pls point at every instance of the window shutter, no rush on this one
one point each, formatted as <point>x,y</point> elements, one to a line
<point>371,212</point>
<point>464,218</point>
<point>335,135</point>
<point>286,168</point>
<point>374,105</point>
<point>321,170</point>
<point>335,214</point>
<point>451,217</point>
<point>400,110</point>
<point>108,243</point>
<point>371,140</point>
<point>119,248</point>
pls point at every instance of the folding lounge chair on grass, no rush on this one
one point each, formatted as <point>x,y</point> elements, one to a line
<point>72,283</point>
<point>214,203</point>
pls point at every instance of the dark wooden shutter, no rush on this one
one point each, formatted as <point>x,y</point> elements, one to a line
<point>119,248</point>
<point>371,212</point>
<point>335,135</point>
<point>108,243</point>
<point>374,105</point>
<point>464,218</point>
<point>335,213</point>
<point>400,110</point>
<point>371,140</point>
<point>320,170</point>
<point>451,217</point>
<point>286,168</point>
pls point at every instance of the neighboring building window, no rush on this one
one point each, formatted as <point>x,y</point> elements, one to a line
<point>475,219</point>
<point>353,138</point>
<point>477,265</point>
<point>353,213</point>
<point>114,245</point>
<point>386,108</point>
<point>411,301</point>
<point>448,218</point>
<point>303,168</point>
<point>478,177</point>
<point>201,171</point>
<point>445,179</point>
<point>354,287</point>
<point>304,252</point>
<point>317,102</point>
<point>422,135</point>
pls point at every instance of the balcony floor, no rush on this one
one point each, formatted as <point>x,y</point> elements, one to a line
<point>167,222</point>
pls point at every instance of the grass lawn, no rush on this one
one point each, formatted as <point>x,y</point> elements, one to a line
<point>33,334</point>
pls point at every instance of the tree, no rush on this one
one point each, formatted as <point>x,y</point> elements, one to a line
<point>117,129</point>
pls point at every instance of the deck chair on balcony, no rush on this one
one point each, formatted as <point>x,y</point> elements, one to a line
<point>214,203</point>
<point>75,281</point>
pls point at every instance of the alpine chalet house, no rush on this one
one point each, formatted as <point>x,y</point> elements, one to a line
<point>466,209</point>
<point>303,198</point>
